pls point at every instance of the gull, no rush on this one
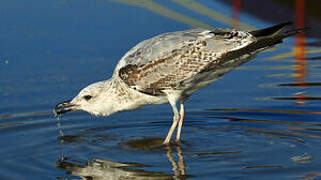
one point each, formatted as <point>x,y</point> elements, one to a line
<point>170,67</point>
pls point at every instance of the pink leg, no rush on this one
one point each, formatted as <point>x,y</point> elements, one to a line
<point>180,123</point>
<point>176,118</point>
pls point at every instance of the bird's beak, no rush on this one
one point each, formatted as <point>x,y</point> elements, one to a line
<point>64,107</point>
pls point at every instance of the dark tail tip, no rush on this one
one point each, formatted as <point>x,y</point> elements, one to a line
<point>295,31</point>
<point>270,31</point>
<point>278,31</point>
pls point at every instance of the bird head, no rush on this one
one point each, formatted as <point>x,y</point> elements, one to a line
<point>91,99</point>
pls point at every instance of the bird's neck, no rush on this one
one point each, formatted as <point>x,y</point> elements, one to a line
<point>120,97</point>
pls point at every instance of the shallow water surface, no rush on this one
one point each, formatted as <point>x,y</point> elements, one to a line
<point>260,121</point>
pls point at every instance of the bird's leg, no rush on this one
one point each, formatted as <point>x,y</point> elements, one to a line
<point>180,122</point>
<point>174,124</point>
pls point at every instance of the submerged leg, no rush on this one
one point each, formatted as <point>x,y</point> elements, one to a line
<point>180,122</point>
<point>174,124</point>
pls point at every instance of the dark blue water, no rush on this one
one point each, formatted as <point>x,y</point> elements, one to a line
<point>261,121</point>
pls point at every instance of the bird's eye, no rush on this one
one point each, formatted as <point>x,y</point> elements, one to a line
<point>87,97</point>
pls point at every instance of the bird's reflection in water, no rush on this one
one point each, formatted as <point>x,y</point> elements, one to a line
<point>100,169</point>
<point>178,166</point>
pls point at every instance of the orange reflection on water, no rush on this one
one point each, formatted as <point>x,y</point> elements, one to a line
<point>237,4</point>
<point>300,54</point>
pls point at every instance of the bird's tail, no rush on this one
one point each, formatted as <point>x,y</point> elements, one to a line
<point>275,34</point>
<point>270,31</point>
<point>271,36</point>
<point>265,38</point>
<point>294,31</point>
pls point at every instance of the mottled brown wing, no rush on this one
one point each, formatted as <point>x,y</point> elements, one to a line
<point>173,58</point>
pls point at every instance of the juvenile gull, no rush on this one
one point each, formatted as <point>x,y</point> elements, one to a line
<point>170,67</point>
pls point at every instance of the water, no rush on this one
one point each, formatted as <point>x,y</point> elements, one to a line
<point>261,121</point>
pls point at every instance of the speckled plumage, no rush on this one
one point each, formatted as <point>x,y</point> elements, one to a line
<point>171,60</point>
<point>170,67</point>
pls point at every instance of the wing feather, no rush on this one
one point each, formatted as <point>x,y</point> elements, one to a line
<point>167,60</point>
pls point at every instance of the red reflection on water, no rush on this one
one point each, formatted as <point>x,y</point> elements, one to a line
<point>237,4</point>
<point>300,56</point>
